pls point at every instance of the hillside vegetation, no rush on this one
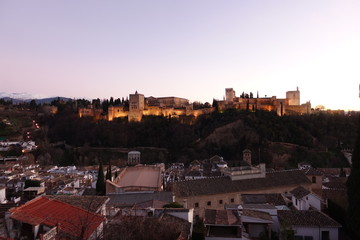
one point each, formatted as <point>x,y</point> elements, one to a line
<point>281,142</point>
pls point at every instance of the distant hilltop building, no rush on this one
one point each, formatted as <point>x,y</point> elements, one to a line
<point>140,106</point>
<point>289,105</point>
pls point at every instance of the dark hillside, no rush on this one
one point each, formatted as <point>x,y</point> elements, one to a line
<point>279,141</point>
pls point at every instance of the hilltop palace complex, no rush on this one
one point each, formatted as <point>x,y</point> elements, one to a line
<point>140,106</point>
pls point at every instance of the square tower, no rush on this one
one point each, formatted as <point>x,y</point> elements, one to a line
<point>229,94</point>
<point>136,107</point>
<point>293,97</point>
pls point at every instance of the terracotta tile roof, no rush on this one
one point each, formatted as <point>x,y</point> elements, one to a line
<point>151,203</point>
<point>300,192</point>
<point>72,219</point>
<point>308,218</point>
<point>275,199</point>
<point>88,203</point>
<point>140,176</point>
<point>256,214</point>
<point>164,226</point>
<point>221,217</point>
<point>129,199</point>
<point>221,185</point>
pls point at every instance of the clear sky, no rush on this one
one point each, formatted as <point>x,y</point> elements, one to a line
<point>186,48</point>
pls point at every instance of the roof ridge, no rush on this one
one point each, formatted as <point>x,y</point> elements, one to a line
<point>55,200</point>
<point>284,170</point>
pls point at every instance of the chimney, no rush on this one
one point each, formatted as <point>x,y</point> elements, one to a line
<point>185,203</point>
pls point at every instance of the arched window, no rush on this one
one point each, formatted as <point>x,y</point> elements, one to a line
<point>313,179</point>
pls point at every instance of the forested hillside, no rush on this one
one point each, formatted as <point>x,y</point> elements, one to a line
<point>278,141</point>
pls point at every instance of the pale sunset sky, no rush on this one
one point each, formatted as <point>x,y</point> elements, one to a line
<point>189,48</point>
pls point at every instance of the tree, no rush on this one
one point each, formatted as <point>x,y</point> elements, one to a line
<point>173,205</point>
<point>100,183</point>
<point>199,230</point>
<point>353,190</point>
<point>108,173</point>
<point>33,104</point>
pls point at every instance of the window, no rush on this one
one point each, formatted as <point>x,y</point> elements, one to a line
<point>308,238</point>
<point>232,200</point>
<point>220,201</point>
<point>313,179</point>
<point>209,203</point>
<point>196,204</point>
<point>325,235</point>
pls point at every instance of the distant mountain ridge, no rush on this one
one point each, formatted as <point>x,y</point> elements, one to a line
<point>26,97</point>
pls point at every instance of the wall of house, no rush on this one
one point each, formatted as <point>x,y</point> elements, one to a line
<point>301,204</point>
<point>315,232</point>
<point>318,182</point>
<point>314,201</point>
<point>226,198</point>
<point>2,194</point>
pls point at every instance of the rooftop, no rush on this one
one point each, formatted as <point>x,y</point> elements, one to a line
<point>88,203</point>
<point>42,210</point>
<point>129,199</point>
<point>144,176</point>
<point>221,217</point>
<point>300,192</point>
<point>220,185</point>
<point>309,218</point>
<point>256,214</point>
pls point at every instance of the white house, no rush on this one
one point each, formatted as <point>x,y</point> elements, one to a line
<point>303,199</point>
<point>308,224</point>
<point>2,194</point>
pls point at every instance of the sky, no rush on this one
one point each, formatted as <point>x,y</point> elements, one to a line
<point>190,48</point>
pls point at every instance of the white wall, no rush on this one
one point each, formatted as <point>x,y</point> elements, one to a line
<point>307,201</point>
<point>302,204</point>
<point>2,194</point>
<point>315,202</point>
<point>316,232</point>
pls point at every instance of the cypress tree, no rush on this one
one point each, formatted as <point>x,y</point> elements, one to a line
<point>353,190</point>
<point>100,183</point>
<point>108,173</point>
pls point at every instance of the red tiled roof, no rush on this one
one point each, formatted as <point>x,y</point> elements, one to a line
<point>49,212</point>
